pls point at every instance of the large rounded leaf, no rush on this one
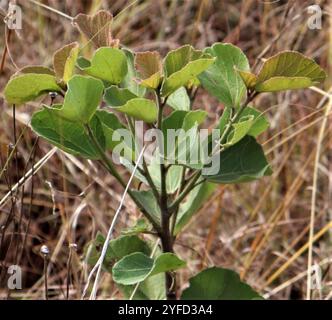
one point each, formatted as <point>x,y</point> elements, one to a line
<point>82,99</point>
<point>243,162</point>
<point>284,71</point>
<point>221,79</point>
<point>69,136</point>
<point>218,284</point>
<point>30,86</point>
<point>109,64</point>
<point>137,267</point>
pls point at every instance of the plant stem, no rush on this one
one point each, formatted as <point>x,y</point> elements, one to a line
<point>185,191</point>
<point>110,168</point>
<point>166,237</point>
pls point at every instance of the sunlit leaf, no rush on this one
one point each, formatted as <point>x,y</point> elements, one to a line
<point>83,96</point>
<point>183,65</point>
<point>64,61</point>
<point>109,64</point>
<point>28,87</point>
<point>150,68</point>
<point>179,100</point>
<point>288,70</point>
<point>140,109</point>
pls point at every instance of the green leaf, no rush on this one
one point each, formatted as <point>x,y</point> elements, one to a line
<point>182,66</point>
<point>140,109</point>
<point>284,83</point>
<point>221,79</point>
<point>260,123</point>
<point>141,226</point>
<point>179,100</point>
<point>34,69</point>
<point>226,116</point>
<point>109,64</point>
<point>110,124</point>
<point>29,86</point>
<point>288,70</point>
<point>150,68</point>
<point>137,267</point>
<point>152,288</point>
<point>185,125</point>
<point>116,250</point>
<point>248,78</point>
<point>116,97</point>
<point>69,136</point>
<point>166,262</point>
<point>83,96</point>
<point>149,203</point>
<point>197,197</point>
<point>173,177</point>
<point>243,162</point>
<point>130,81</point>
<point>240,129</point>
<point>218,284</point>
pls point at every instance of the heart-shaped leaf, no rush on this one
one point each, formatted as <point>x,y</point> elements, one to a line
<point>182,66</point>
<point>136,267</point>
<point>242,162</point>
<point>150,68</point>
<point>218,284</point>
<point>64,61</point>
<point>30,86</point>
<point>83,96</point>
<point>97,28</point>
<point>221,79</point>
<point>109,64</point>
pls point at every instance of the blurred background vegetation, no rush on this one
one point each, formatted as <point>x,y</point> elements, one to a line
<point>259,229</point>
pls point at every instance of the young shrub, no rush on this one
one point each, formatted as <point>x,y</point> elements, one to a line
<point>105,96</point>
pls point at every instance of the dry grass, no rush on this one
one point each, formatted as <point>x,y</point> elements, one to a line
<point>260,229</point>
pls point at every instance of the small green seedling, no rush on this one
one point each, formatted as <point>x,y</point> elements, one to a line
<point>101,101</point>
